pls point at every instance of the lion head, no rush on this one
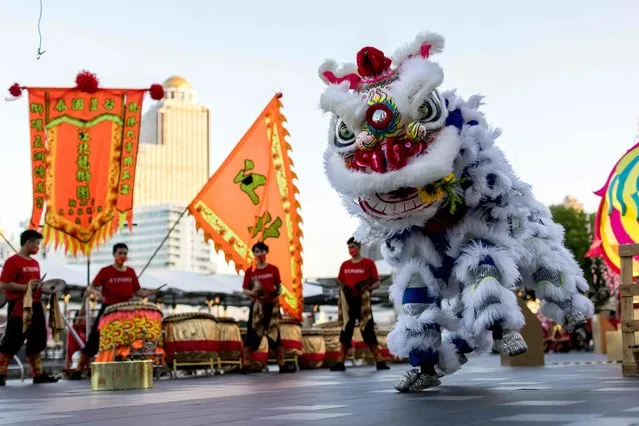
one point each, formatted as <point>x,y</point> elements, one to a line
<point>391,146</point>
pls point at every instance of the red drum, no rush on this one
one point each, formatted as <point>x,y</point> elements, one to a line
<point>382,333</point>
<point>291,336</point>
<point>314,349</point>
<point>230,339</point>
<point>191,337</point>
<point>333,348</point>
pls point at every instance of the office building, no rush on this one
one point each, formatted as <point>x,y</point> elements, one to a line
<point>173,158</point>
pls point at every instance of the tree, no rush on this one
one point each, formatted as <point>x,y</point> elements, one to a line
<point>578,236</point>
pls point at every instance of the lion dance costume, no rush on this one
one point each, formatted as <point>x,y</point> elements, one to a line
<point>459,228</point>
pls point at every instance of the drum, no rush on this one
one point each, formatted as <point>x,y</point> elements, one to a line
<point>259,358</point>
<point>230,339</point>
<point>333,348</point>
<point>190,337</point>
<point>313,348</point>
<point>291,337</point>
<point>360,349</point>
<point>128,328</point>
<point>382,333</point>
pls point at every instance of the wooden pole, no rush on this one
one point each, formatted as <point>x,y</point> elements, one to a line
<point>629,325</point>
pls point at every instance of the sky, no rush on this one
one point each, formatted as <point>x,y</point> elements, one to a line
<point>560,80</point>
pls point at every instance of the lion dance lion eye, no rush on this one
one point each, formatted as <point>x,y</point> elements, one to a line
<point>431,109</point>
<point>344,137</point>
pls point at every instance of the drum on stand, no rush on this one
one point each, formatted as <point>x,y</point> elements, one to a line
<point>333,347</point>
<point>191,338</point>
<point>259,358</point>
<point>360,349</point>
<point>230,342</point>
<point>291,337</point>
<point>382,334</point>
<point>314,350</point>
<point>130,330</point>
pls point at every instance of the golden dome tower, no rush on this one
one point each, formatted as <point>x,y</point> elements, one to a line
<point>178,89</point>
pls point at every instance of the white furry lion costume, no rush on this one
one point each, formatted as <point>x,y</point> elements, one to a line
<point>461,231</point>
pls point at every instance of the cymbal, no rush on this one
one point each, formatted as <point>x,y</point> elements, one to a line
<point>53,286</point>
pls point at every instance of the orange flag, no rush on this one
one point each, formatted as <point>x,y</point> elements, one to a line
<point>84,144</point>
<point>252,198</point>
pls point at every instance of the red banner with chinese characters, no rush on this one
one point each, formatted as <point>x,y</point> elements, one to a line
<point>84,144</point>
<point>252,198</point>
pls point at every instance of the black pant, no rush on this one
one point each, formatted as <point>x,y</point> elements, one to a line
<point>36,333</point>
<point>93,341</point>
<point>355,313</point>
<point>252,340</point>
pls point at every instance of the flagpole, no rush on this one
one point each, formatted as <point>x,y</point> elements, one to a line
<point>7,241</point>
<point>164,240</point>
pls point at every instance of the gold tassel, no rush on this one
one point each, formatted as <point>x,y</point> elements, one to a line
<point>367,311</point>
<point>342,309</point>
<point>27,308</point>
<point>56,324</point>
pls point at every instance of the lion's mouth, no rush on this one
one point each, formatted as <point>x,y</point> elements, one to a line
<point>396,203</point>
<point>389,155</point>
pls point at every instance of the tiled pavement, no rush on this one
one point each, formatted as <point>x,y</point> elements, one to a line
<point>482,393</point>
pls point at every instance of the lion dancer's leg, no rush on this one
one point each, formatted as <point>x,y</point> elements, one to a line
<point>559,284</point>
<point>460,338</point>
<point>464,339</point>
<point>554,274</point>
<point>489,273</point>
<point>418,332</point>
<point>561,297</point>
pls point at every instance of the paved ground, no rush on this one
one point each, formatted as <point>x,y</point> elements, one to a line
<point>482,393</point>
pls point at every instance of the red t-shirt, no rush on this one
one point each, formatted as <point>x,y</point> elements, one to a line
<point>20,270</point>
<point>351,273</point>
<point>269,278</point>
<point>117,286</point>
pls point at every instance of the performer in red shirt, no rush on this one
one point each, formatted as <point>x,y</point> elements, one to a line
<point>18,272</point>
<point>115,283</point>
<point>357,277</point>
<point>262,283</point>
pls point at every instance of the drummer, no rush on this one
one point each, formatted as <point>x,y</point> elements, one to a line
<point>115,283</point>
<point>357,278</point>
<point>20,271</point>
<point>262,283</point>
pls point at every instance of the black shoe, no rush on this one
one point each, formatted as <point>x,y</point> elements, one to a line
<point>245,370</point>
<point>381,365</point>
<point>75,375</point>
<point>285,369</point>
<point>338,367</point>
<point>3,380</point>
<point>44,378</point>
<point>288,368</point>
